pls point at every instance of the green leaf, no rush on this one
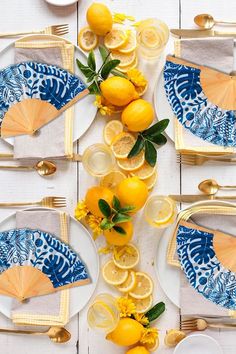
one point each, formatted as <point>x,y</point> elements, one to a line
<point>116,72</point>
<point>155,311</point>
<point>103,52</point>
<point>84,69</point>
<point>127,208</point>
<point>91,60</point>
<point>106,224</point>
<point>157,128</point>
<point>138,146</point>
<point>119,218</point>
<point>150,153</point>
<point>91,77</point>
<point>108,67</point>
<point>120,230</point>
<point>94,88</point>
<point>157,139</point>
<point>116,203</point>
<point>104,207</point>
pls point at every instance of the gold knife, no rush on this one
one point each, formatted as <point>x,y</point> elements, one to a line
<point>199,33</point>
<point>190,198</point>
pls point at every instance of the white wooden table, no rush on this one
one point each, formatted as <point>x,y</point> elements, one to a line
<point>72,182</point>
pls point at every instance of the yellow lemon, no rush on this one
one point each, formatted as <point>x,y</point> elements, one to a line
<point>129,284</point>
<point>115,238</point>
<point>114,275</point>
<point>126,257</point>
<point>142,305</point>
<point>115,38</point>
<point>112,129</point>
<point>127,332</point>
<point>99,18</point>
<point>87,39</point>
<point>138,115</point>
<point>143,288</point>
<point>132,191</point>
<point>173,337</point>
<point>112,179</point>
<point>92,197</point>
<point>118,91</point>
<point>122,144</point>
<point>138,350</point>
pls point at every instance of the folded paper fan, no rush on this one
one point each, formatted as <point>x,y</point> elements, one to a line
<point>203,100</point>
<point>33,263</point>
<point>32,94</point>
<point>208,259</point>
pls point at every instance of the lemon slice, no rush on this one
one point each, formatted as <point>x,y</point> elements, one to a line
<point>141,90</point>
<point>151,181</point>
<point>125,69</point>
<point>173,337</point>
<point>133,163</point>
<point>164,212</point>
<point>130,45</point>
<point>112,180</point>
<point>125,58</point>
<point>126,257</point>
<point>111,130</point>
<point>122,144</point>
<point>143,305</point>
<point>115,39</point>
<point>129,284</point>
<point>87,39</point>
<point>152,347</point>
<point>143,288</point>
<point>114,275</point>
<point>150,37</point>
<point>144,172</point>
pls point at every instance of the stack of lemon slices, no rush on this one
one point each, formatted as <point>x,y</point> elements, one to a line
<point>122,45</point>
<point>119,272</point>
<point>121,143</point>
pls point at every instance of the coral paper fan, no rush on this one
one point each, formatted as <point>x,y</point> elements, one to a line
<point>33,263</point>
<point>32,94</point>
<point>203,100</point>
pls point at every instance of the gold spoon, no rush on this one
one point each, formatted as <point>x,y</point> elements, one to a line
<point>211,187</point>
<point>56,334</point>
<point>44,168</point>
<point>206,21</point>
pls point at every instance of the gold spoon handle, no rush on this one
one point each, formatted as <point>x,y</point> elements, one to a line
<point>5,156</point>
<point>227,187</point>
<point>19,204</point>
<point>17,331</point>
<point>221,325</point>
<point>22,168</point>
<point>226,22</point>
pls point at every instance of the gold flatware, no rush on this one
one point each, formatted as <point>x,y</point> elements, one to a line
<point>43,168</point>
<point>47,202</point>
<point>56,334</point>
<point>201,33</point>
<point>211,187</point>
<point>191,198</point>
<point>75,157</point>
<point>199,324</point>
<point>207,21</point>
<point>57,30</point>
<point>198,160</point>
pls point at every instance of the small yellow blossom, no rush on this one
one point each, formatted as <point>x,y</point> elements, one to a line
<point>105,250</point>
<point>137,78</point>
<point>141,318</point>
<point>120,251</point>
<point>81,210</point>
<point>149,335</point>
<point>126,306</point>
<point>94,223</point>
<point>103,109</point>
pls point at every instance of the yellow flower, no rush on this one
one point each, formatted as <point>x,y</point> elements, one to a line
<point>120,17</point>
<point>94,223</point>
<point>105,250</point>
<point>137,78</point>
<point>103,108</point>
<point>141,318</point>
<point>81,210</point>
<point>126,306</point>
<point>149,335</point>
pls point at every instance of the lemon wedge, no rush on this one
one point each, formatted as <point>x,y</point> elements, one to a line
<point>87,39</point>
<point>173,337</point>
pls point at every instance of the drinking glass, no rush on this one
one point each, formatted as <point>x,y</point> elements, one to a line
<point>160,211</point>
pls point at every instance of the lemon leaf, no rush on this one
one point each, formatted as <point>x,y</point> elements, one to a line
<point>91,60</point>
<point>120,230</point>
<point>116,203</point>
<point>157,139</point>
<point>137,148</point>
<point>108,67</point>
<point>94,88</point>
<point>106,224</point>
<point>157,128</point>
<point>150,153</point>
<point>127,208</point>
<point>119,218</point>
<point>116,72</point>
<point>103,52</point>
<point>104,207</point>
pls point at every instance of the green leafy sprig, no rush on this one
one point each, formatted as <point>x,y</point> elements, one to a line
<point>95,77</point>
<point>147,138</point>
<point>114,215</point>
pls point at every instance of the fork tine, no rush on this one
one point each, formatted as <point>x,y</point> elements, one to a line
<point>188,321</point>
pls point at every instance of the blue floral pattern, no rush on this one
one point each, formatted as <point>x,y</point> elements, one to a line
<point>40,81</point>
<point>203,269</point>
<point>19,247</point>
<point>193,109</point>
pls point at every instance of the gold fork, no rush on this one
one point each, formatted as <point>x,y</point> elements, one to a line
<point>199,324</point>
<point>57,30</point>
<point>47,202</point>
<point>197,160</point>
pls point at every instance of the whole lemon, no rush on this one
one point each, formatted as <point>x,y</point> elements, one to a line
<point>138,350</point>
<point>138,115</point>
<point>117,239</point>
<point>132,191</point>
<point>92,197</point>
<point>99,18</point>
<point>127,332</point>
<point>118,91</point>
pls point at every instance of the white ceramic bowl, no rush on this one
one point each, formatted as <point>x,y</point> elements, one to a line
<point>198,344</point>
<point>61,2</point>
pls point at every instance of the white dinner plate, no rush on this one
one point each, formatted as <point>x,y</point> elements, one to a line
<point>169,276</point>
<point>198,343</point>
<point>85,110</point>
<point>81,241</point>
<point>61,2</point>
